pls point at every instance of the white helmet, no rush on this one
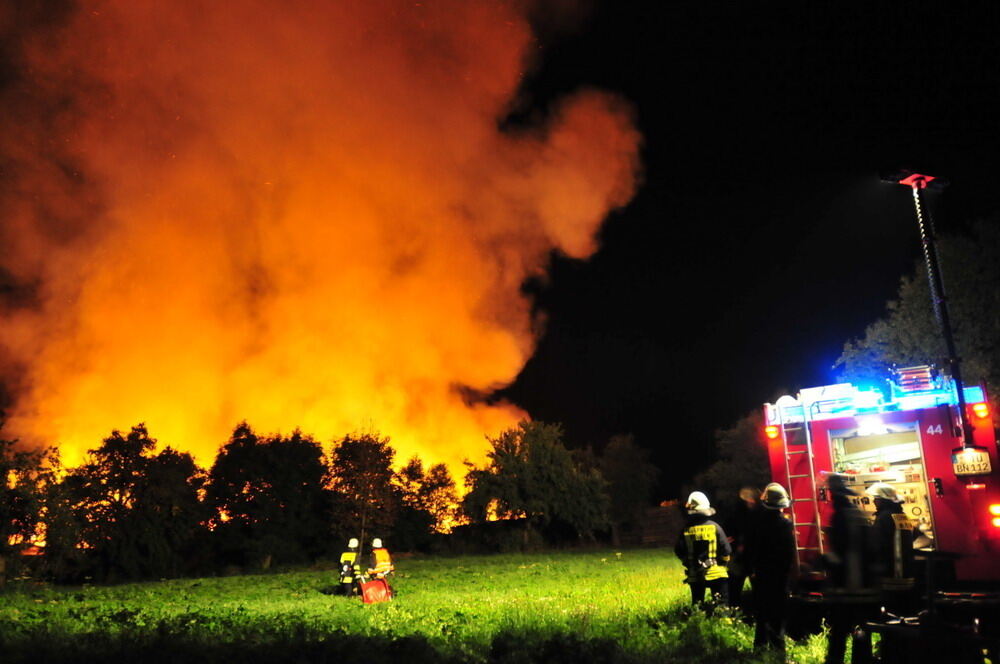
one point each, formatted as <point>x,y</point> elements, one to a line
<point>884,491</point>
<point>352,543</point>
<point>775,497</point>
<point>376,543</point>
<point>697,503</point>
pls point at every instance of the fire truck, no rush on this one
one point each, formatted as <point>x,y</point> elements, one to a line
<point>932,437</point>
<point>909,436</point>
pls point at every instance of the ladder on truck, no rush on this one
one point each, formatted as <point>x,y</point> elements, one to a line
<point>801,480</point>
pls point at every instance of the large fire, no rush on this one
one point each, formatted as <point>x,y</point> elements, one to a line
<point>297,213</point>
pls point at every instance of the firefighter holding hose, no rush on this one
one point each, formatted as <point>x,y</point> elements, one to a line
<point>704,551</point>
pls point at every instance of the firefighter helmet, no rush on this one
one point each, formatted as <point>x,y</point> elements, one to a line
<point>837,482</point>
<point>377,543</point>
<point>697,503</point>
<point>352,543</point>
<point>884,491</point>
<point>775,497</point>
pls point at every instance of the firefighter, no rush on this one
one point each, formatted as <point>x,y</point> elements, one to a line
<point>381,562</point>
<point>891,548</point>
<point>770,561</point>
<point>740,528</point>
<point>704,551</point>
<point>349,568</point>
<point>847,537</point>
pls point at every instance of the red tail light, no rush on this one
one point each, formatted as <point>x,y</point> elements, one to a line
<point>981,410</point>
<point>995,511</point>
<point>773,431</point>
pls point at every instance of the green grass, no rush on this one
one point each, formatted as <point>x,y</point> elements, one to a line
<point>576,607</point>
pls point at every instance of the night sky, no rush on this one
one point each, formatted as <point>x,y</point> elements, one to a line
<point>762,238</point>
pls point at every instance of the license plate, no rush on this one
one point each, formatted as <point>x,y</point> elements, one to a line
<point>971,462</point>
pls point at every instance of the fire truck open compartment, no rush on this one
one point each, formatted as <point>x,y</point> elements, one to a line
<point>893,456</point>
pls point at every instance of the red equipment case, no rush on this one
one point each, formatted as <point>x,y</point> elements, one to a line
<point>375,591</point>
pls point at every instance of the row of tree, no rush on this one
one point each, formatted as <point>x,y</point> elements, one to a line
<point>132,511</point>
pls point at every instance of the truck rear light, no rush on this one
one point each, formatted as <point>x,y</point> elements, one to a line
<point>772,431</point>
<point>995,509</point>
<point>981,410</point>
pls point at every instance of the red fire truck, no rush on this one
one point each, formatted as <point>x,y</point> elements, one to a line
<point>909,437</point>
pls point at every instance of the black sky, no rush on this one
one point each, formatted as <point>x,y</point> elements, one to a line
<point>761,239</point>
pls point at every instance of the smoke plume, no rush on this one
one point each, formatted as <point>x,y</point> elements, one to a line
<point>299,213</point>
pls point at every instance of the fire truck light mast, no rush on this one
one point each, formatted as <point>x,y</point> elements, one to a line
<point>918,182</point>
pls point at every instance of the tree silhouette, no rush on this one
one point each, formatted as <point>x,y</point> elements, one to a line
<point>531,474</point>
<point>741,460</point>
<point>64,521</point>
<point>268,498</point>
<point>361,477</point>
<point>428,504</point>
<point>167,509</point>
<point>135,514</point>
<point>908,334</point>
<point>102,492</point>
<point>630,477</point>
<point>26,474</point>
<point>432,492</point>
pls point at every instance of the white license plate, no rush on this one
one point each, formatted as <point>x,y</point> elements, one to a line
<point>971,462</point>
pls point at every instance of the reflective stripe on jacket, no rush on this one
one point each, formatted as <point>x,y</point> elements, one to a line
<point>348,560</point>
<point>703,549</point>
<point>381,562</point>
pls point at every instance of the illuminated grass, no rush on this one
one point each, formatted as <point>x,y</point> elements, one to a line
<point>574,607</point>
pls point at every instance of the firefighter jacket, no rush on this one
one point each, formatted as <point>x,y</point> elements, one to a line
<point>348,566</point>
<point>892,541</point>
<point>770,547</point>
<point>381,563</point>
<point>703,549</point>
<point>740,528</point>
<point>848,535</point>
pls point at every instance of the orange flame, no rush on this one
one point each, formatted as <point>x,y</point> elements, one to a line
<point>298,213</point>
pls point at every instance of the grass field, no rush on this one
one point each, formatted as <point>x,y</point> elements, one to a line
<point>573,608</point>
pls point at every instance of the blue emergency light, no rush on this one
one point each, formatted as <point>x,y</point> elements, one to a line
<point>914,389</point>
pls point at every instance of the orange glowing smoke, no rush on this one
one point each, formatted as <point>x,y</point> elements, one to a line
<point>298,213</point>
